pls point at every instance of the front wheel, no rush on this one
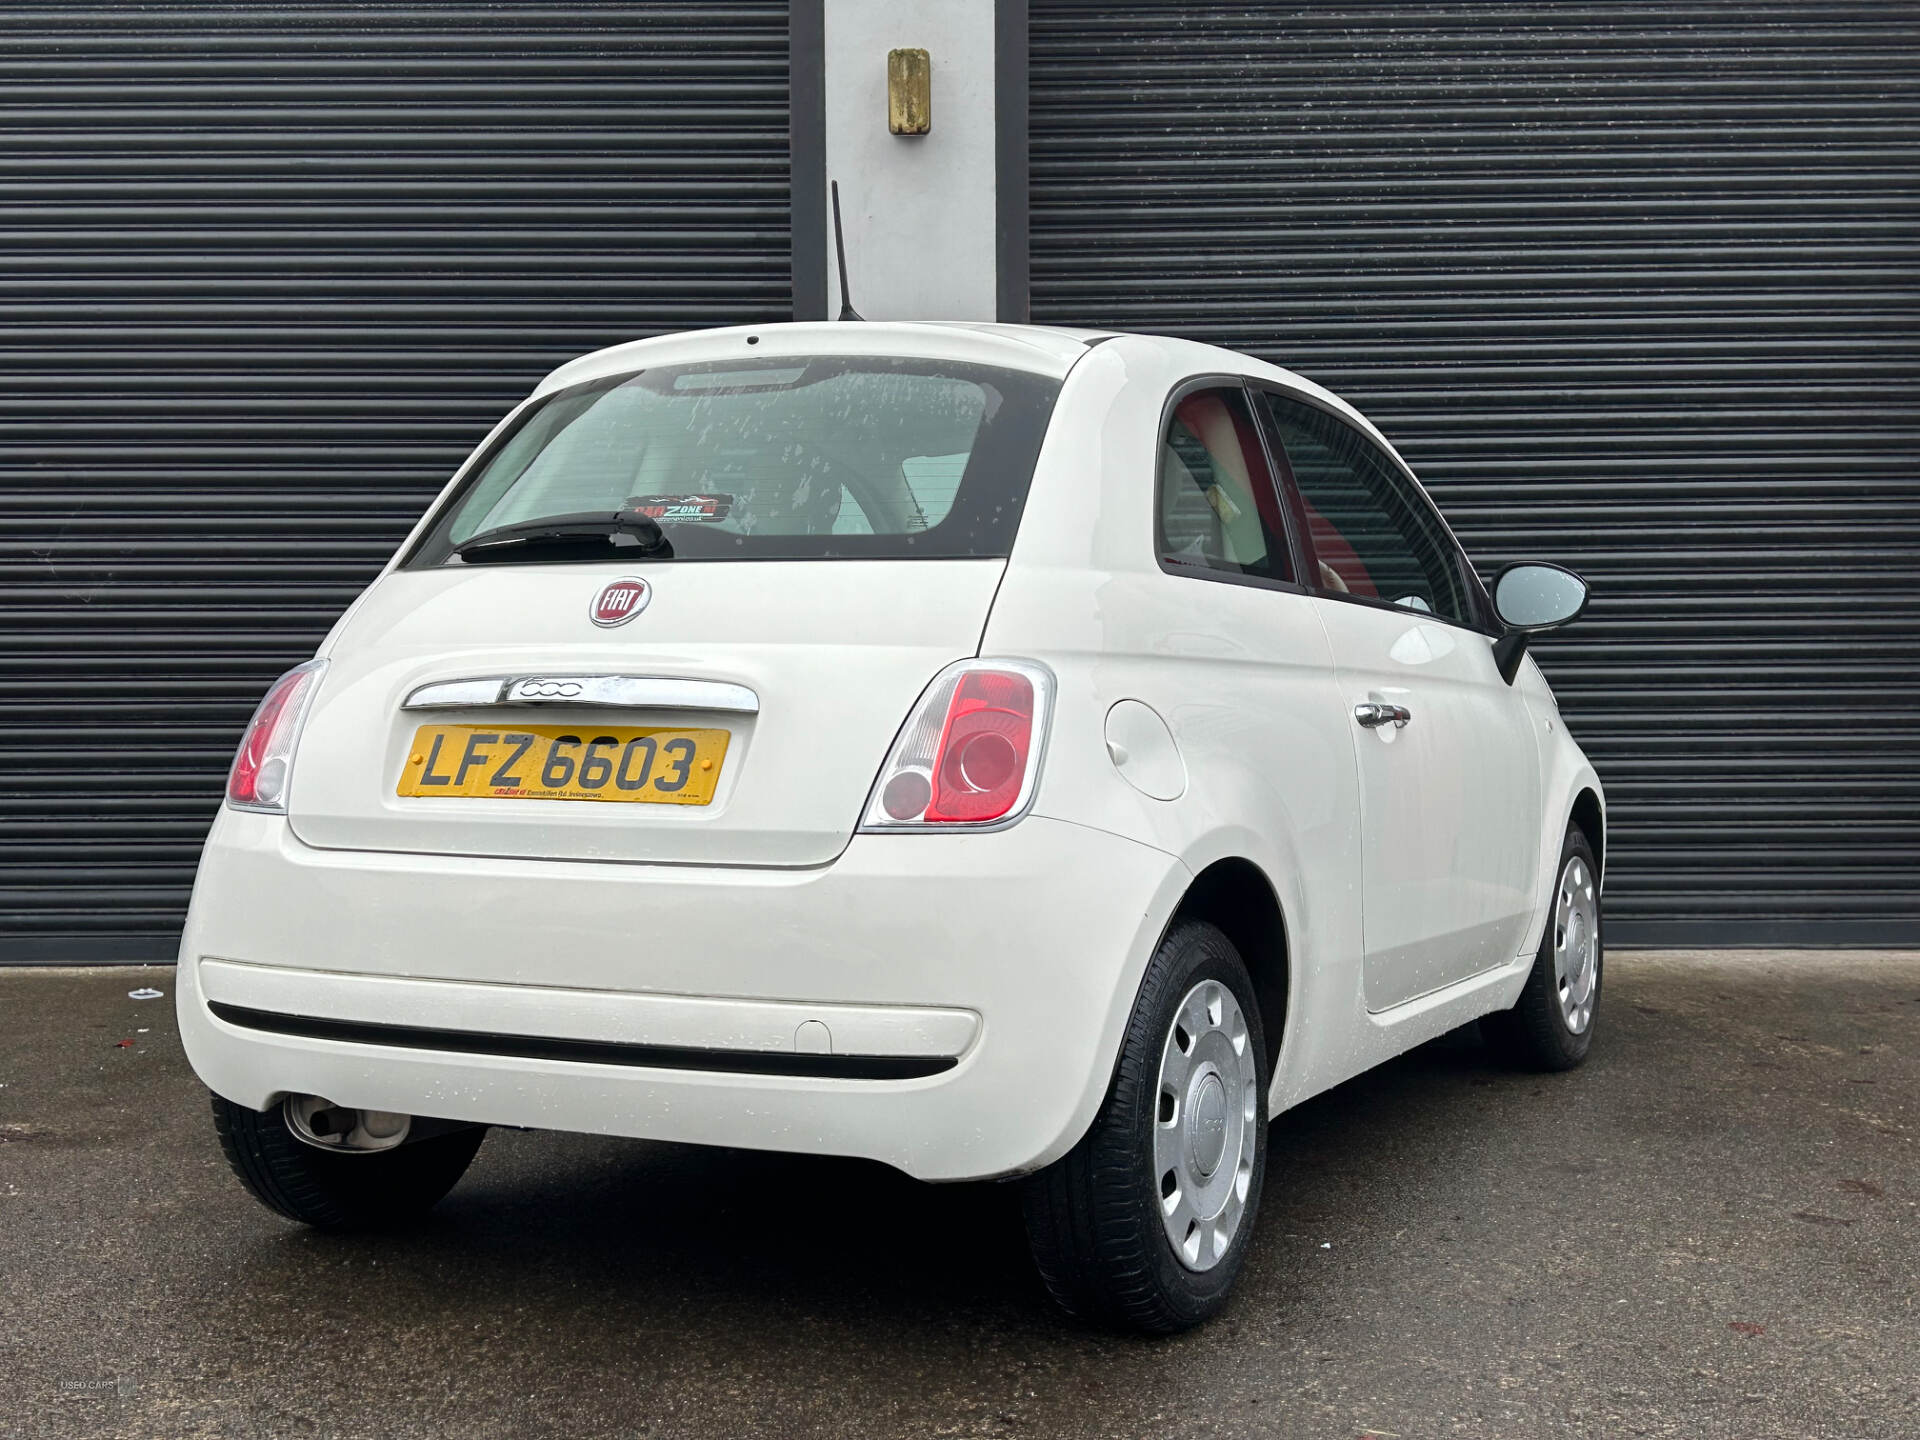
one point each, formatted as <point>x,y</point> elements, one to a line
<point>1551,1026</point>
<point>1144,1224</point>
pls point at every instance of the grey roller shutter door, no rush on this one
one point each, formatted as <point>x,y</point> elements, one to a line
<point>1634,287</point>
<point>266,273</point>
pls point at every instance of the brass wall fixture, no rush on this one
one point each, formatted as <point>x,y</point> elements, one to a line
<point>909,92</point>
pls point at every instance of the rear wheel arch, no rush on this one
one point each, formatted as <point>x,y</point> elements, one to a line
<point>1235,895</point>
<point>1590,815</point>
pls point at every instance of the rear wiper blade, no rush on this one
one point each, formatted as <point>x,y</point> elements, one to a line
<point>615,530</point>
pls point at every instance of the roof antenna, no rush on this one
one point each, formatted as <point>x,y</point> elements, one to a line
<point>847,312</point>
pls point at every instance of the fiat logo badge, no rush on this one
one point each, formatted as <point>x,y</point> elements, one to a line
<point>619,601</point>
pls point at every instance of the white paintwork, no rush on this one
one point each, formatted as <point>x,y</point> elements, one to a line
<point>1050,965</point>
<point>608,1015</point>
<point>1413,868</point>
<point>919,210</point>
<point>1449,879</point>
<point>836,653</point>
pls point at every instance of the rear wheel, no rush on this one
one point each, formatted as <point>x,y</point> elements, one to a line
<point>1144,1224</point>
<point>333,1191</point>
<point>1551,1026</point>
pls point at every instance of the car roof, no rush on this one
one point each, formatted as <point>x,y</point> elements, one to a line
<point>1043,349</point>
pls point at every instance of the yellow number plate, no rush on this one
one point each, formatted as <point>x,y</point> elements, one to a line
<point>564,762</point>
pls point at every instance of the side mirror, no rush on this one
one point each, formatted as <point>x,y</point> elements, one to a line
<point>1536,597</point>
<point>1530,599</point>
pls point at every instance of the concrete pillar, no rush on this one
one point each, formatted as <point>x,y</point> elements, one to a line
<point>936,224</point>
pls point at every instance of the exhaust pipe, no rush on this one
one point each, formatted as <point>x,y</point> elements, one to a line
<point>328,1126</point>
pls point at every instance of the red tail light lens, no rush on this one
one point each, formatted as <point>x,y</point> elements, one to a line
<point>969,753</point>
<point>264,763</point>
<point>983,754</point>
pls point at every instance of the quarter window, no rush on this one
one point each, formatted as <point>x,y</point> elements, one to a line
<point>1373,534</point>
<point>1219,508</point>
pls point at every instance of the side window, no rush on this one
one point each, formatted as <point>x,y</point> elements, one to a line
<point>1373,534</point>
<point>1219,508</point>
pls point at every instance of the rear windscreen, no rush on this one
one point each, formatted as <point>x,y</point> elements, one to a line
<point>781,459</point>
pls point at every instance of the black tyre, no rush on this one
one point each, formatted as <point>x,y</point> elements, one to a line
<point>1551,1026</point>
<point>337,1191</point>
<point>1143,1225</point>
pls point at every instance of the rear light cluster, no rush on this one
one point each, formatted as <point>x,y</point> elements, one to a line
<point>258,780</point>
<point>970,752</point>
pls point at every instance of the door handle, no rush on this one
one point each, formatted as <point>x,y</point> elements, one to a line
<point>1374,714</point>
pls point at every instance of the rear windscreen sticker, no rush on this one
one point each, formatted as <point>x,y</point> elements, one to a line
<point>682,509</point>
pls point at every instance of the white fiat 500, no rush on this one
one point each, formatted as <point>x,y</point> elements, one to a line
<point>994,751</point>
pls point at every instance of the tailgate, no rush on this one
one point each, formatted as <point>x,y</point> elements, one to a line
<point>832,654</point>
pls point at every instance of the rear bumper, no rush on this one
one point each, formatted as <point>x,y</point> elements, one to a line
<point>990,975</point>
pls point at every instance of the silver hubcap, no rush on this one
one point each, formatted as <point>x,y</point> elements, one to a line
<point>1204,1132</point>
<point>1576,944</point>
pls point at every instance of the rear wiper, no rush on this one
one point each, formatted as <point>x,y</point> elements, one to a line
<point>567,535</point>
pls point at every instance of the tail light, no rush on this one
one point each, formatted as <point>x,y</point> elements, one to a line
<point>970,751</point>
<point>258,780</point>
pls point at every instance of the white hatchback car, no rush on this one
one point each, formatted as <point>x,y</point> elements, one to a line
<point>995,751</point>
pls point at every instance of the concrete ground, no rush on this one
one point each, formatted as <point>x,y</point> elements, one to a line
<point>1708,1232</point>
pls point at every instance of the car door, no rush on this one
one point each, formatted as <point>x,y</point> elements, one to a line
<point>1243,673</point>
<point>1447,766</point>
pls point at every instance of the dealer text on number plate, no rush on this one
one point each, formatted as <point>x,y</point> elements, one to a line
<point>564,762</point>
